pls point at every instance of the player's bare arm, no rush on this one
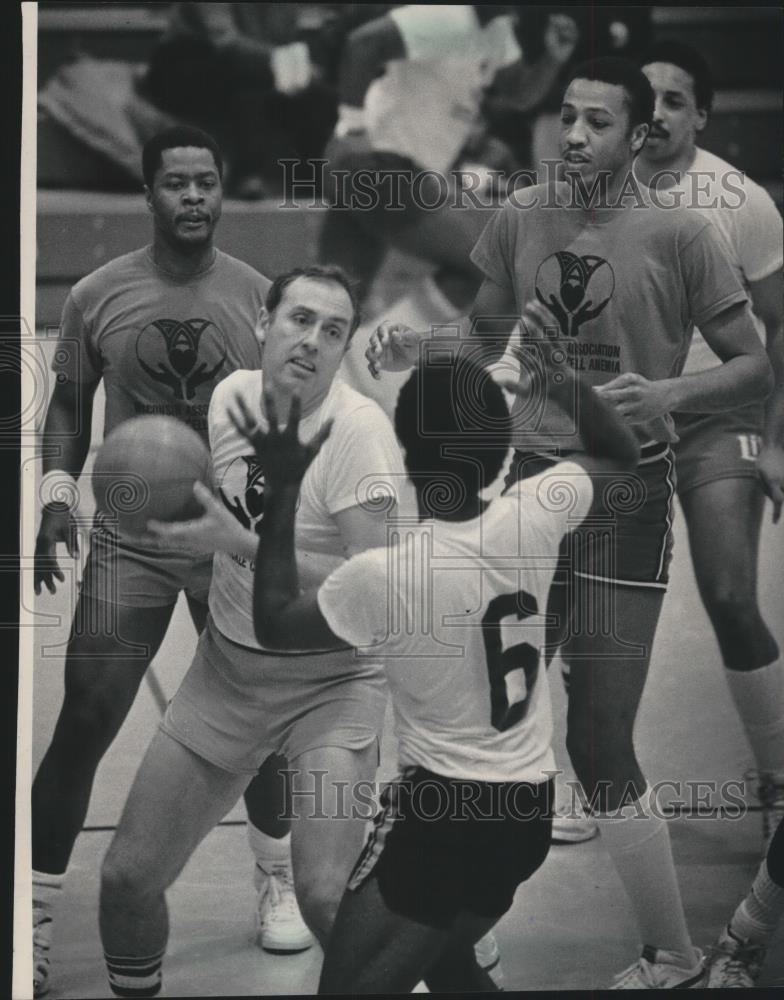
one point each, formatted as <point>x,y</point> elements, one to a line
<point>395,347</point>
<point>284,618</point>
<point>70,408</point>
<point>744,376</point>
<point>367,50</point>
<point>766,297</point>
<point>524,85</point>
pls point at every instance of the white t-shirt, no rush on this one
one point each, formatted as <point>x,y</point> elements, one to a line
<point>360,463</point>
<point>445,608</point>
<point>424,106</point>
<point>746,219</point>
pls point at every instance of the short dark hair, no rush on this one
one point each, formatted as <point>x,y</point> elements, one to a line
<point>322,272</point>
<point>624,73</point>
<point>691,61</point>
<point>457,395</point>
<point>175,138</point>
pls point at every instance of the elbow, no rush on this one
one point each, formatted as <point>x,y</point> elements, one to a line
<point>269,633</point>
<point>264,628</point>
<point>765,379</point>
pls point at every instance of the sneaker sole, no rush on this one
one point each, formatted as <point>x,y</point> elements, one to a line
<point>573,838</point>
<point>288,950</point>
<point>284,947</point>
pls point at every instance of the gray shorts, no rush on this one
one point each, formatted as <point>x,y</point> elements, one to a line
<point>238,705</point>
<point>134,577</point>
<point>715,446</point>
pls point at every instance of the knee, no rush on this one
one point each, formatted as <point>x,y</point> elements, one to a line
<point>732,606</point>
<point>125,877</point>
<point>318,902</point>
<point>89,716</point>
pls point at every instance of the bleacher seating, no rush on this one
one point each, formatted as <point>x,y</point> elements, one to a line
<point>79,231</point>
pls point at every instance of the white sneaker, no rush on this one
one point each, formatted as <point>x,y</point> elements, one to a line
<point>279,924</point>
<point>42,939</point>
<point>734,964</point>
<point>489,958</point>
<point>656,970</point>
<point>570,824</point>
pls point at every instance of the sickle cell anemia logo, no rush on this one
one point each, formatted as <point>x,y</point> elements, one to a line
<point>242,491</point>
<point>575,289</point>
<point>181,354</point>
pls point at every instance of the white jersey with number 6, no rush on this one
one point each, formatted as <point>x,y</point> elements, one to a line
<point>457,609</point>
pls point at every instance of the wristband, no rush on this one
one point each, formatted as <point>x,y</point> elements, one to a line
<point>58,491</point>
<point>350,119</point>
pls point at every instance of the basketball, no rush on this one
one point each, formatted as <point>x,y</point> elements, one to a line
<point>146,469</point>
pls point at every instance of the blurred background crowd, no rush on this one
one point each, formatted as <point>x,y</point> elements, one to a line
<point>264,77</point>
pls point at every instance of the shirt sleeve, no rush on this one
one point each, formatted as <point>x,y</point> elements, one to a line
<point>76,356</point>
<point>365,450</point>
<point>434,31</point>
<point>494,250</point>
<point>353,599</point>
<point>712,283</point>
<point>760,235</point>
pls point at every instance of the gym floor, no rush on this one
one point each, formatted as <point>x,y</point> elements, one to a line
<point>571,926</point>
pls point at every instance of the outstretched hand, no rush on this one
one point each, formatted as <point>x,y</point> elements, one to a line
<point>280,453</point>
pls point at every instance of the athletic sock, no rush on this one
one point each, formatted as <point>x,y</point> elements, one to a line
<point>47,890</point>
<point>759,697</point>
<point>758,914</point>
<point>270,852</point>
<point>638,843</point>
<point>137,976</point>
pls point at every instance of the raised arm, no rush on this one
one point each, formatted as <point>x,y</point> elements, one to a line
<point>396,347</point>
<point>366,52</point>
<point>522,86</point>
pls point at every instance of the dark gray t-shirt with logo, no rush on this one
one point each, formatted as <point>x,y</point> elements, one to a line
<point>627,285</point>
<point>160,341</point>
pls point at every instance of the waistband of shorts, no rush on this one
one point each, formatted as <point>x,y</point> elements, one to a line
<point>654,451</point>
<point>277,654</point>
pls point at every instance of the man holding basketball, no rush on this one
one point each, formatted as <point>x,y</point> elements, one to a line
<point>161,326</point>
<point>626,283</point>
<point>240,702</point>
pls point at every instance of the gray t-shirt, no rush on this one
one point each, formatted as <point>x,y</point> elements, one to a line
<point>626,284</point>
<point>161,342</point>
